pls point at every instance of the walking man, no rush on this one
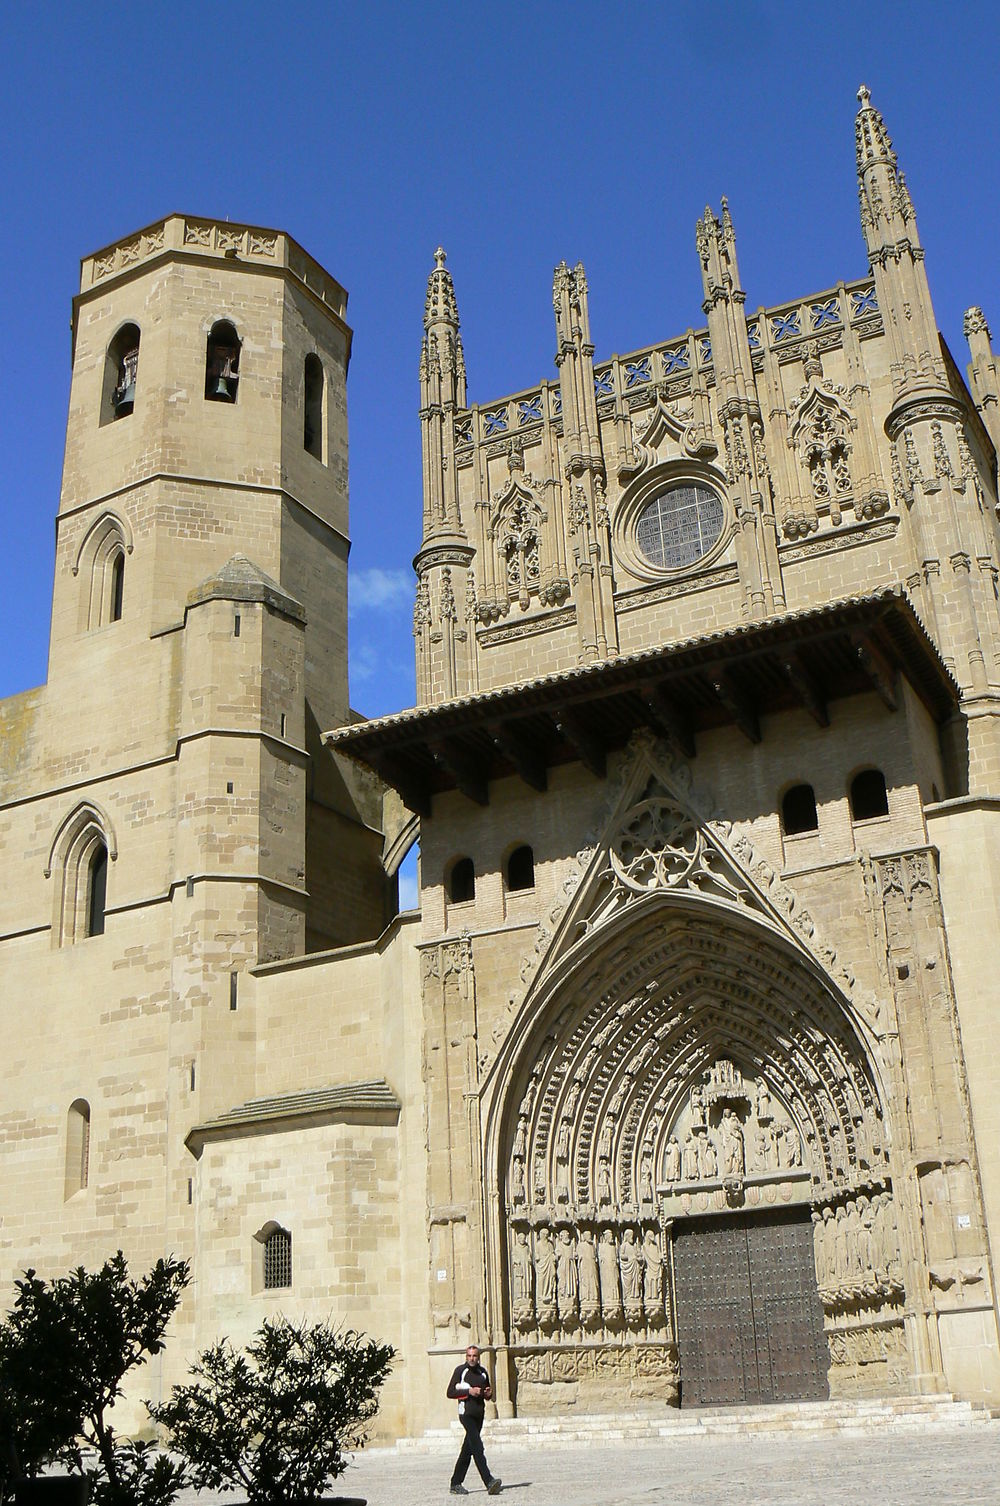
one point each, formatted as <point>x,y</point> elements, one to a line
<point>470,1387</point>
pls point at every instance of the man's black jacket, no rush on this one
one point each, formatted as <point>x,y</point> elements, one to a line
<point>466,1376</point>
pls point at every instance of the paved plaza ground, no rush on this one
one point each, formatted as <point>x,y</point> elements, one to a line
<point>937,1467</point>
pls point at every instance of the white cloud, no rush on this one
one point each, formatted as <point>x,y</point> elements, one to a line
<point>371,590</point>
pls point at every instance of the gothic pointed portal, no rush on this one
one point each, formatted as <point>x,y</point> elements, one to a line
<point>690,1068</point>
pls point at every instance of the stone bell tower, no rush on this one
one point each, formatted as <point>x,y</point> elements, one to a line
<point>208,421</point>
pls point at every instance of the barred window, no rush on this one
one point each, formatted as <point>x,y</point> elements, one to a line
<point>278,1259</point>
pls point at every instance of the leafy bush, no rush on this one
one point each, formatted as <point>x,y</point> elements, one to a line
<point>65,1349</point>
<point>276,1419</point>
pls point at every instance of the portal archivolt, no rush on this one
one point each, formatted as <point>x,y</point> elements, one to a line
<point>691,1064</point>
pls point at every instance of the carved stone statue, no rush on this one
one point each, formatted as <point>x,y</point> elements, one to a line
<point>590,1291</point>
<point>819,1247</point>
<point>794,1145</point>
<point>842,1246</point>
<point>517,1181</point>
<point>672,1160</point>
<point>631,1264</point>
<point>733,1149</point>
<point>763,1099</point>
<point>829,1237</point>
<point>607,1265</point>
<point>866,1242</point>
<point>522,1282</point>
<point>545,1276</point>
<point>691,1159</point>
<point>603,1182</point>
<point>646,1177</point>
<point>697,1105</point>
<point>567,1284</point>
<point>653,1261</point>
<point>521,1139</point>
<point>709,1160</point>
<point>764,1156</point>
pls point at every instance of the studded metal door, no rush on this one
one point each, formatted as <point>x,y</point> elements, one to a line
<point>749,1321</point>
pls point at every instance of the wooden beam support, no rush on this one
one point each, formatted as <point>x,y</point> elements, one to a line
<point>806,688</point>
<point>666,720</point>
<point>587,746</point>
<point>878,669</point>
<point>735,701</point>
<point>456,761</point>
<point>525,757</point>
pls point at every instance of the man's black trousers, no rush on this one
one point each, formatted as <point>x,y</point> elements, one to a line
<point>472,1448</point>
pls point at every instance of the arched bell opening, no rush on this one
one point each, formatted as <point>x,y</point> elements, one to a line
<point>693,1072</point>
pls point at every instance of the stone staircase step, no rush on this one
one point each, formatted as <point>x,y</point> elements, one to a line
<point>898,1414</point>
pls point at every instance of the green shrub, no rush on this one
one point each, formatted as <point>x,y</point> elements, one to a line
<point>274,1420</point>
<point>65,1349</point>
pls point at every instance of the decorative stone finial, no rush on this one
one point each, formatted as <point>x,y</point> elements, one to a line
<point>440,257</point>
<point>864,96</point>
<point>974,322</point>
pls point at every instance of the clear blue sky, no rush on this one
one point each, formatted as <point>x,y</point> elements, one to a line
<point>515,135</point>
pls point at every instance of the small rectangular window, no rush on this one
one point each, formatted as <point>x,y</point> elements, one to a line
<point>229,786</point>
<point>236,625</point>
<point>233,987</point>
<point>190,1191</point>
<point>192,1077</point>
<point>284,721</point>
<point>189,886</point>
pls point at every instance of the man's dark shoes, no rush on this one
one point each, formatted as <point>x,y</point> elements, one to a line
<point>493,1488</point>
<point>459,1490</point>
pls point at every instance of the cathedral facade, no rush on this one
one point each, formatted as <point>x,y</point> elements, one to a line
<point>681,1086</point>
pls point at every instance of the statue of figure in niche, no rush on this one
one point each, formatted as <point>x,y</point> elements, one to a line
<point>572,1098</point>
<point>709,1162</point>
<point>521,1140</point>
<point>562,1162</point>
<point>778,1137</point>
<point>646,1175</point>
<point>522,1282</point>
<point>852,1218</point>
<point>631,1264</point>
<point>763,1099</point>
<point>866,1241</point>
<point>540,1181</point>
<point>819,1247</point>
<point>545,1275</point>
<point>672,1160</point>
<point>607,1266</point>
<point>517,1182</point>
<point>828,1231</point>
<point>697,1106</point>
<point>603,1182</point>
<point>733,1149</point>
<point>590,1291</point>
<point>793,1146</point>
<point>764,1156</point>
<point>604,1140</point>
<point>691,1158</point>
<point>653,1260</point>
<point>567,1285</point>
<point>842,1246</point>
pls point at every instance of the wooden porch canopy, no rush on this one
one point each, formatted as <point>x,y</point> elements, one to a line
<point>731,678</point>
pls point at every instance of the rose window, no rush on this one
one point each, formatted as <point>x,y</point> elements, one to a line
<point>679,526</point>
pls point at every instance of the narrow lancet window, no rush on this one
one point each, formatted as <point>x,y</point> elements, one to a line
<point>222,363</point>
<point>121,374</point>
<point>313,431</point>
<point>97,890</point>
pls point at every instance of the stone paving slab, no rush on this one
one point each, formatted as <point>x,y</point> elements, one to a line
<point>954,1466</point>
